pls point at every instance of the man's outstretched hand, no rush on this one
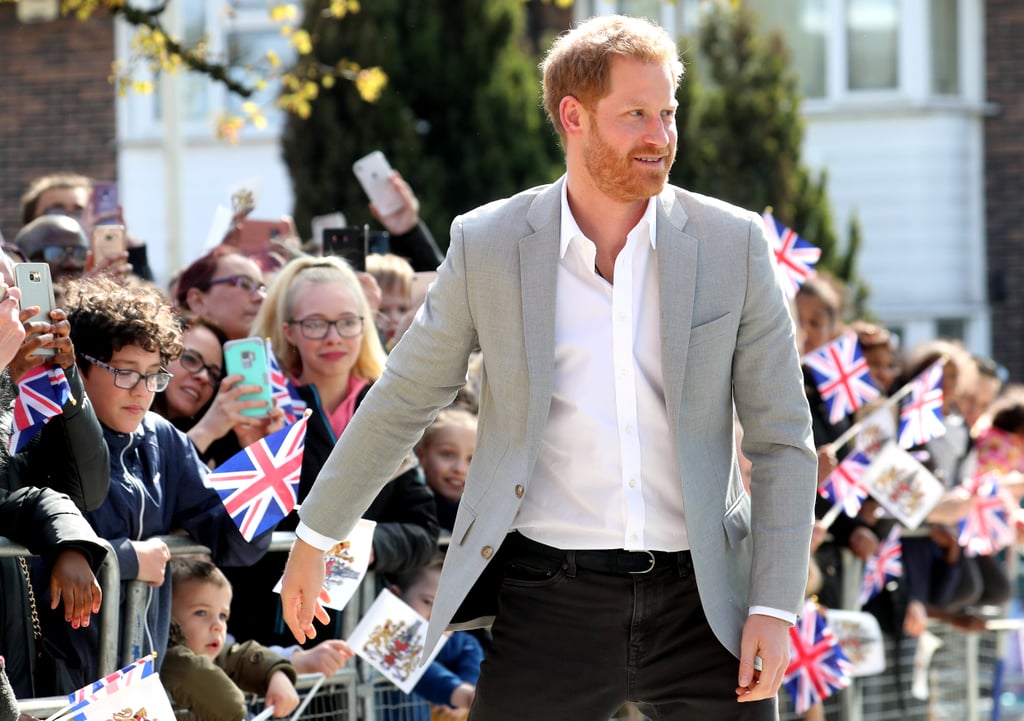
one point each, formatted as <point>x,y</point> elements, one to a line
<point>302,590</point>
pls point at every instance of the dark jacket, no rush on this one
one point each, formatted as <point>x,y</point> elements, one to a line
<point>70,460</point>
<point>157,485</point>
<point>405,537</point>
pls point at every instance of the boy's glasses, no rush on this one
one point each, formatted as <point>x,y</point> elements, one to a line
<point>245,282</point>
<point>193,362</point>
<point>347,326</point>
<point>127,380</point>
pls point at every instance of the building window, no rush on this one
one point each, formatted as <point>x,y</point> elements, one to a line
<point>945,47</point>
<point>805,26</point>
<point>872,44</point>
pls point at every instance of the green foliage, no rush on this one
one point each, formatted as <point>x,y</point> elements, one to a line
<point>741,133</point>
<point>460,117</point>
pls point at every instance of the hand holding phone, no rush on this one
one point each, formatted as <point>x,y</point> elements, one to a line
<point>33,280</point>
<point>107,242</point>
<point>247,357</point>
<point>373,172</point>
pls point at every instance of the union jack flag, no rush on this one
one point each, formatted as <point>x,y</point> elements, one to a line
<point>817,665</point>
<point>986,528</point>
<point>280,387</point>
<point>843,484</point>
<point>921,412</point>
<point>794,256</point>
<point>842,376</point>
<point>112,683</point>
<point>886,564</point>
<point>42,393</point>
<point>259,485</point>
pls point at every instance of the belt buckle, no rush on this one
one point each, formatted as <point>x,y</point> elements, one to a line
<point>650,557</point>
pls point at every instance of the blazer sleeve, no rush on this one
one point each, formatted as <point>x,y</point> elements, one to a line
<point>423,374</point>
<point>772,408</point>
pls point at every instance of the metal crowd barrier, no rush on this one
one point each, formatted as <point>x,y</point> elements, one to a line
<point>961,677</point>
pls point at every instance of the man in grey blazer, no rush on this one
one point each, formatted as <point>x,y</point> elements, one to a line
<point>604,530</point>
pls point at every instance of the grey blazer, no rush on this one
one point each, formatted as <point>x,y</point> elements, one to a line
<point>727,341</point>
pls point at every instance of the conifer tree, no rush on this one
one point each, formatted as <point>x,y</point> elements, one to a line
<point>460,117</point>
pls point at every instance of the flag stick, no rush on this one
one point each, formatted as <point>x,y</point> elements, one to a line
<point>309,697</point>
<point>264,714</point>
<point>833,513</point>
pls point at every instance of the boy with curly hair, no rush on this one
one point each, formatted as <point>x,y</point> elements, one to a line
<point>123,338</point>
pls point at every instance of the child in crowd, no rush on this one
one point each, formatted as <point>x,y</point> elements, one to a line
<point>202,672</point>
<point>394,276</point>
<point>449,683</point>
<point>124,337</point>
<point>444,452</point>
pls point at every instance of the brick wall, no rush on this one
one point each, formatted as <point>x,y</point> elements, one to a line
<point>1004,180</point>
<point>56,104</point>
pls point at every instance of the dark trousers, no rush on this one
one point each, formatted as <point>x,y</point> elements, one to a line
<point>573,643</point>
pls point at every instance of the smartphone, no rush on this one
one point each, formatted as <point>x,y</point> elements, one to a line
<point>247,357</point>
<point>108,241</point>
<point>373,171</point>
<point>106,207</point>
<point>33,279</point>
<point>350,243</point>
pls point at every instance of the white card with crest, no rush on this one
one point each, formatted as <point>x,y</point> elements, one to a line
<point>390,637</point>
<point>860,637</point>
<point>905,488</point>
<point>876,430</point>
<point>345,565</point>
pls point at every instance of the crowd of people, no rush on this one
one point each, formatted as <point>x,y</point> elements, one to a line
<point>151,411</point>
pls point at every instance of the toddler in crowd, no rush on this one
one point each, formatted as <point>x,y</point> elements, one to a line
<point>204,673</point>
<point>449,683</point>
<point>444,453</point>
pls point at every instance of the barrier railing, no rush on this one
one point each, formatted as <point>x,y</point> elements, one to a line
<point>961,676</point>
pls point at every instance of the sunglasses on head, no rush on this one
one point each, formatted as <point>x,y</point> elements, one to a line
<point>57,254</point>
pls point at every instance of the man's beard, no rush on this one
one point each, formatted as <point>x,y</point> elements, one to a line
<point>622,178</point>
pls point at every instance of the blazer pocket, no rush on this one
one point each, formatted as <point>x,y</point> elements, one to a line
<point>712,329</point>
<point>737,520</point>
<point>464,520</point>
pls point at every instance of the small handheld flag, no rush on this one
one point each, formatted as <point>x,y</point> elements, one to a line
<point>259,485</point>
<point>886,564</point>
<point>987,529</point>
<point>817,666</point>
<point>921,411</point>
<point>279,386</point>
<point>842,376</point>
<point>795,258</point>
<point>843,484</point>
<point>42,393</point>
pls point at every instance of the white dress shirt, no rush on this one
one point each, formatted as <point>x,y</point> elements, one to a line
<point>607,475</point>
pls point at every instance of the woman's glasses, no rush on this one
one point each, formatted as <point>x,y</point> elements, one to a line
<point>245,282</point>
<point>347,326</point>
<point>127,380</point>
<point>193,362</point>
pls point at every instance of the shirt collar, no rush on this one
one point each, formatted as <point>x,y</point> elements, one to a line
<point>570,229</point>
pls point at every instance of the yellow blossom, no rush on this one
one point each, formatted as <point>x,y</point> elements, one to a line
<point>273,58</point>
<point>302,42</point>
<point>370,84</point>
<point>283,13</point>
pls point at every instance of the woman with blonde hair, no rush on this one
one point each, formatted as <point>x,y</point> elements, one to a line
<point>321,329</point>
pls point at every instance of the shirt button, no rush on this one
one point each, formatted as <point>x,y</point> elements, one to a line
<point>632,483</point>
<point>487,552</point>
<point>520,490</point>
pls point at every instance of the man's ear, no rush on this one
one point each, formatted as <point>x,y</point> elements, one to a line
<point>572,114</point>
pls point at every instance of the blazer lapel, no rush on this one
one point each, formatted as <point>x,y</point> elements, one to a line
<point>538,269</point>
<point>677,283</point>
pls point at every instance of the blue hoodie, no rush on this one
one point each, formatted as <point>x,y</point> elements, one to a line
<point>157,485</point>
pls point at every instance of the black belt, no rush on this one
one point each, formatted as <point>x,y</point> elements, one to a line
<point>612,561</point>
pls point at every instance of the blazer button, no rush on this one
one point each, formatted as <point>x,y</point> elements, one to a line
<point>520,490</point>
<point>487,552</point>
